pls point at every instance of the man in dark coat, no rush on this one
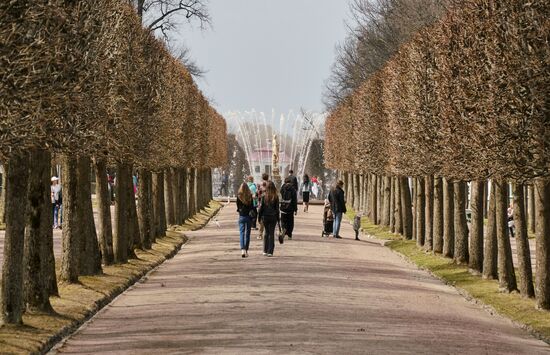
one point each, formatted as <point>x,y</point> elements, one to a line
<point>293,180</point>
<point>289,207</point>
<point>338,206</point>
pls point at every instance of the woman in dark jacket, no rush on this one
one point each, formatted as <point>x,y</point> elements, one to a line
<point>244,206</point>
<point>269,214</point>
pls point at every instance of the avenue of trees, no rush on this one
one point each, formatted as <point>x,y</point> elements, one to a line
<point>461,102</point>
<point>85,85</point>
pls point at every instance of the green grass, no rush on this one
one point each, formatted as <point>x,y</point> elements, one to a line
<point>512,305</point>
<point>77,302</point>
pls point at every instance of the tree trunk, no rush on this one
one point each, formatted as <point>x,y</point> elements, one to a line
<point>145,213</point>
<point>429,198</point>
<point>448,220</point>
<point>362,193</point>
<point>159,210</point>
<point>506,273</point>
<point>71,237</point>
<point>90,256</point>
<point>398,213</point>
<point>522,243</point>
<point>3,195</point>
<point>406,207</point>
<point>386,198</point>
<point>357,200</point>
<point>185,198</point>
<point>177,196</point>
<point>485,199</point>
<point>12,269</point>
<point>379,199</point>
<point>103,199</point>
<point>368,194</point>
<point>531,207</point>
<point>420,212</point>
<point>392,204</point>
<point>460,223</point>
<point>414,203</point>
<point>438,215</point>
<point>193,192</point>
<point>122,218</point>
<point>134,235</point>
<point>349,192</point>
<point>36,274</point>
<point>374,199</point>
<point>169,197</point>
<point>542,207</point>
<point>476,242</point>
<point>490,245</point>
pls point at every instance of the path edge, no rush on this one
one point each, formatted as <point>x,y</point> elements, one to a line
<point>56,341</point>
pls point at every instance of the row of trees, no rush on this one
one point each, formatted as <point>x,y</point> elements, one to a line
<point>85,82</point>
<point>464,100</point>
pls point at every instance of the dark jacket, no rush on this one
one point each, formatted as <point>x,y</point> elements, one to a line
<point>289,202</point>
<point>294,182</point>
<point>337,200</point>
<point>244,210</point>
<point>269,211</point>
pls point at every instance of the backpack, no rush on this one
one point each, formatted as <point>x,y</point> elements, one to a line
<point>286,200</point>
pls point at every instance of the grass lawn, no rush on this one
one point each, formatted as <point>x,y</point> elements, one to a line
<point>78,302</point>
<point>514,306</point>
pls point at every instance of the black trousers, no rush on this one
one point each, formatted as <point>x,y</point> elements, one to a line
<point>287,223</point>
<point>269,234</point>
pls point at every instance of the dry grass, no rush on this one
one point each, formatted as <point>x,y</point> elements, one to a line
<point>78,302</point>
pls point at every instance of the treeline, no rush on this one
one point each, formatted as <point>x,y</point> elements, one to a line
<point>464,100</point>
<point>83,83</point>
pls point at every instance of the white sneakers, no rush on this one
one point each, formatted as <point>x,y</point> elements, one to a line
<point>243,253</point>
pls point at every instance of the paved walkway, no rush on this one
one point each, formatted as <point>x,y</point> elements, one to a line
<point>321,296</point>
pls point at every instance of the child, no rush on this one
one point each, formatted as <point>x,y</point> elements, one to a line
<point>357,225</point>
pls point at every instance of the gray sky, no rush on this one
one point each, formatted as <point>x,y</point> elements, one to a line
<point>266,54</point>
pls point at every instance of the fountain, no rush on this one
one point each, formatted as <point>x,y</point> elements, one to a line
<point>290,136</point>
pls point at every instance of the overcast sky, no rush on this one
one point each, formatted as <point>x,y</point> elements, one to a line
<point>267,54</point>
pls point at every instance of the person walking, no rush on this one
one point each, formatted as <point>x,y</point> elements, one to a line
<point>294,181</point>
<point>261,190</point>
<point>244,206</point>
<point>337,201</point>
<point>306,190</point>
<point>269,214</point>
<point>254,191</point>
<point>289,207</point>
<point>57,202</point>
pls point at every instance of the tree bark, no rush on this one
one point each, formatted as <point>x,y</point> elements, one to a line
<point>506,273</point>
<point>525,271</point>
<point>490,245</point>
<point>448,220</point>
<point>145,213</point>
<point>414,203</point>
<point>392,204</point>
<point>476,242</point>
<point>37,273</point>
<point>103,199</point>
<point>386,198</point>
<point>531,207</point>
<point>421,212</point>
<point>3,195</point>
<point>185,197</point>
<point>379,199</point>
<point>177,195</point>
<point>374,199</point>
<point>429,204</point>
<point>12,270</point>
<point>398,213</point>
<point>406,207</point>
<point>542,206</point>
<point>71,237</point>
<point>193,192</point>
<point>438,215</point>
<point>90,256</point>
<point>362,193</point>
<point>460,223</point>
<point>357,200</point>
<point>134,235</point>
<point>122,218</point>
<point>169,197</point>
<point>159,210</point>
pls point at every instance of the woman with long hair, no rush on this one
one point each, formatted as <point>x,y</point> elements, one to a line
<point>244,206</point>
<point>269,214</point>
<point>306,190</point>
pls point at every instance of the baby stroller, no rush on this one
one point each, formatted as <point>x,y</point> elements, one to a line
<point>328,220</point>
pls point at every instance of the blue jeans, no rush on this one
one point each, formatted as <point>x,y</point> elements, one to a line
<point>336,223</point>
<point>57,215</point>
<point>244,230</point>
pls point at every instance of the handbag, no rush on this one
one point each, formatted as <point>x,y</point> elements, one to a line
<point>282,233</point>
<point>253,214</point>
